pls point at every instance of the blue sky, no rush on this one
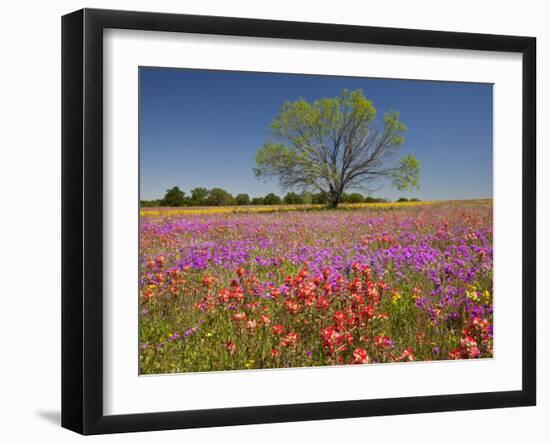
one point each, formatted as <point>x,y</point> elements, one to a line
<point>203,128</point>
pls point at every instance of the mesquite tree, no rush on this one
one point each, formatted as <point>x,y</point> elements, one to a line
<point>334,144</point>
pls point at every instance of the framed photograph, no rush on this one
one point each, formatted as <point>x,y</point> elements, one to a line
<point>268,221</point>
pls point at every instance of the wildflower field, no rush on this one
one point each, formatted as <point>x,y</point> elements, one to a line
<point>251,289</point>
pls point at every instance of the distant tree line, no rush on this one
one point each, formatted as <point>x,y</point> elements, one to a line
<point>220,197</point>
<point>404,200</point>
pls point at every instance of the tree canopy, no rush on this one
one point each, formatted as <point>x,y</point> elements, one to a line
<point>272,199</point>
<point>334,144</point>
<point>198,196</point>
<point>242,199</point>
<point>219,197</point>
<point>173,197</point>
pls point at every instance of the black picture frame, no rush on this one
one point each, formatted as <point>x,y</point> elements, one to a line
<point>82,218</point>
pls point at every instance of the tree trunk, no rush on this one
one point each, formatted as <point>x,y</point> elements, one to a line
<point>334,199</point>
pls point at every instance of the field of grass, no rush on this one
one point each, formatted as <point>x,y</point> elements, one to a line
<point>292,286</point>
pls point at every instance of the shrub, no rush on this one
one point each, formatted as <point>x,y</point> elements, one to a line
<point>356,198</point>
<point>149,203</point>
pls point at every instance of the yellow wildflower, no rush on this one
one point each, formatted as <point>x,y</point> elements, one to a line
<point>395,298</point>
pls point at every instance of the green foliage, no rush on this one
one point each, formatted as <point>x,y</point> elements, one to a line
<point>272,199</point>
<point>355,198</point>
<point>291,198</point>
<point>258,201</point>
<point>394,127</point>
<point>242,199</point>
<point>149,203</point>
<point>199,196</point>
<point>402,200</point>
<point>173,197</point>
<point>306,197</point>
<point>333,144</point>
<point>406,176</point>
<point>274,156</point>
<point>320,198</point>
<point>370,199</point>
<point>219,197</point>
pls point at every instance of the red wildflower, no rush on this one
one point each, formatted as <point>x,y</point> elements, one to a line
<point>407,354</point>
<point>339,318</point>
<point>237,294</point>
<point>322,303</point>
<point>366,311</point>
<point>159,260</point>
<point>357,300</point>
<point>292,307</point>
<point>251,325</point>
<point>208,281</point>
<point>473,352</point>
<point>355,285</point>
<point>467,342</point>
<point>382,342</point>
<point>223,296</point>
<point>360,356</point>
<point>341,348</point>
<point>455,354</point>
<point>290,339</point>
<point>480,324</point>
<point>240,316</point>
<point>230,346</point>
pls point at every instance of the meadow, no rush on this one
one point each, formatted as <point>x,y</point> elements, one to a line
<point>273,287</point>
